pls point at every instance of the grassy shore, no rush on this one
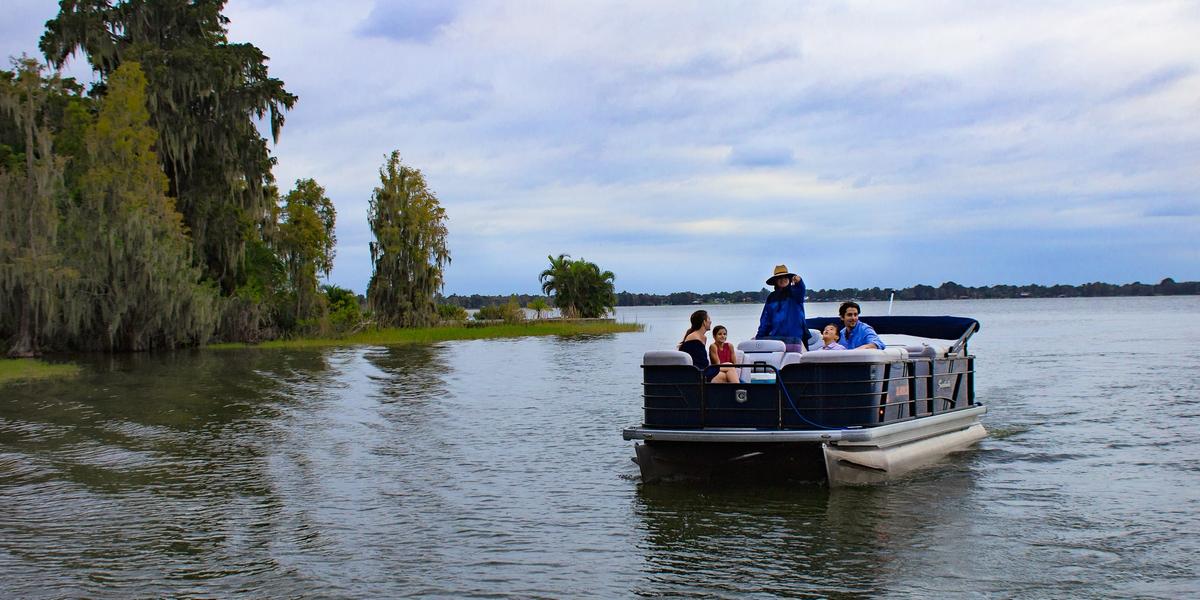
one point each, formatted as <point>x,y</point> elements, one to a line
<point>425,335</point>
<point>30,369</point>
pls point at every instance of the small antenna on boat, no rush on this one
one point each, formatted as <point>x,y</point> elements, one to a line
<point>893,297</point>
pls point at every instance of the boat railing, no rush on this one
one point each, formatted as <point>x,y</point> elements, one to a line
<point>813,396</point>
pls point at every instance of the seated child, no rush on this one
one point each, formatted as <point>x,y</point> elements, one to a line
<point>829,338</point>
<point>721,352</point>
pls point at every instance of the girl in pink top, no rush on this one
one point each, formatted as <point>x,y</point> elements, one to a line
<point>721,352</point>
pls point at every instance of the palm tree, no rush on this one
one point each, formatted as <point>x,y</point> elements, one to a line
<point>597,296</point>
<point>579,287</point>
<point>556,282</point>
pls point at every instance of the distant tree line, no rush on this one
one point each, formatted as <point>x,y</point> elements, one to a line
<point>477,301</point>
<point>946,291</point>
<point>951,290</point>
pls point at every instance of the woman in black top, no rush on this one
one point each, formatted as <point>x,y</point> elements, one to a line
<point>696,344</point>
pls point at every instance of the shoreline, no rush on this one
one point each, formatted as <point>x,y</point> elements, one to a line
<point>427,335</point>
<point>23,370</point>
<point>16,370</point>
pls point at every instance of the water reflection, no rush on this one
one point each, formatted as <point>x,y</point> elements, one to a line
<point>410,372</point>
<point>794,540</point>
<point>235,467</point>
<point>134,419</point>
<point>146,459</point>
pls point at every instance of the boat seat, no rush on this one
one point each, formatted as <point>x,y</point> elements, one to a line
<point>767,351</point>
<point>867,355</point>
<point>749,346</point>
<point>666,357</point>
<point>921,351</point>
<point>926,351</point>
<point>790,358</point>
<point>814,339</point>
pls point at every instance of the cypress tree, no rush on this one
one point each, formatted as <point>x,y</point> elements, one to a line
<point>138,288</point>
<point>204,96</point>
<point>31,271</point>
<point>307,242</point>
<point>409,252</point>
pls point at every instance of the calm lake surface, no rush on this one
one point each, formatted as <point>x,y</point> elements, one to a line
<point>497,469</point>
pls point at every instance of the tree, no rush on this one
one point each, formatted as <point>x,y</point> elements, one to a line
<point>509,312</point>
<point>539,306</point>
<point>409,252</point>
<point>579,287</point>
<point>205,94</point>
<point>451,312</point>
<point>138,288</point>
<point>344,311</point>
<point>307,242</point>
<point>31,269</point>
<point>557,282</point>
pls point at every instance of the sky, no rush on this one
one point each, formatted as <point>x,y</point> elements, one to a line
<point>694,146</point>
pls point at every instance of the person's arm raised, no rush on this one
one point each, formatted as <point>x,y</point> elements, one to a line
<point>797,288</point>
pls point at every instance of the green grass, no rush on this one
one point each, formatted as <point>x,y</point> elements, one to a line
<point>426,335</point>
<point>29,369</point>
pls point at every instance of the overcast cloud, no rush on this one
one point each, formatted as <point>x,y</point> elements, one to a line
<point>864,144</point>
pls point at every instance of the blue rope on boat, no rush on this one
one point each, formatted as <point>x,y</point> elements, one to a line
<point>779,382</point>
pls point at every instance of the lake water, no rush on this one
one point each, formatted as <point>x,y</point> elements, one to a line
<point>497,469</point>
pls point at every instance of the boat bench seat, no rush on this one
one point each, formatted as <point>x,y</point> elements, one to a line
<point>868,355</point>
<point>926,351</point>
<point>659,358</point>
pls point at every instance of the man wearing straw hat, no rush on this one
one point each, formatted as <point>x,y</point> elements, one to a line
<point>783,315</point>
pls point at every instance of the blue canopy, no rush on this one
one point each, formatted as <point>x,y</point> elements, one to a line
<point>941,328</point>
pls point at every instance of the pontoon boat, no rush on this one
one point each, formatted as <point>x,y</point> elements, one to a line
<point>848,417</point>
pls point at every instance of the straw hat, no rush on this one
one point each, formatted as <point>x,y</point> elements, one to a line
<point>780,271</point>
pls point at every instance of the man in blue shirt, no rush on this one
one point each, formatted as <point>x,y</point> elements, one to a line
<point>783,315</point>
<point>857,335</point>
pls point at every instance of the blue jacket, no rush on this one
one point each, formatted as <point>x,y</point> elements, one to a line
<point>783,315</point>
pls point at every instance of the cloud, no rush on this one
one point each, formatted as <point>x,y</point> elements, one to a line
<point>760,156</point>
<point>873,144</point>
<point>409,21</point>
<point>1173,209</point>
<point>1158,80</point>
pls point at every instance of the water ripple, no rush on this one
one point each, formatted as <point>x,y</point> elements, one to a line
<point>495,469</point>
